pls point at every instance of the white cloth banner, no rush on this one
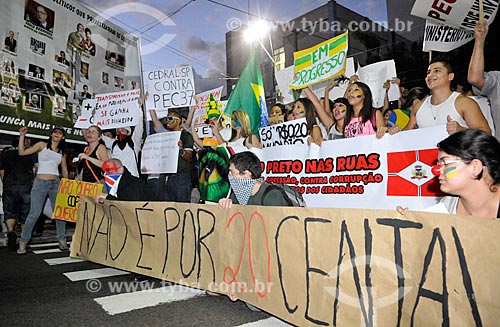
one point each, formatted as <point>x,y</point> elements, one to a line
<point>375,75</point>
<point>160,153</point>
<point>170,88</point>
<point>438,37</point>
<point>290,132</point>
<point>117,109</point>
<point>362,172</point>
<point>460,14</point>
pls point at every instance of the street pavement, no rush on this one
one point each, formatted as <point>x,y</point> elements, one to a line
<point>47,288</point>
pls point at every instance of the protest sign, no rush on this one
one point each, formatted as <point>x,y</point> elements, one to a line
<point>339,90</point>
<point>459,14</point>
<point>160,153</point>
<point>117,109</point>
<point>320,62</point>
<point>170,88</point>
<point>200,111</point>
<point>283,78</point>
<point>68,194</point>
<point>438,37</point>
<point>290,132</point>
<point>374,76</point>
<point>308,266</point>
<point>87,117</point>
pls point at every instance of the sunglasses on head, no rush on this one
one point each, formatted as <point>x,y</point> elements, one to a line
<point>171,118</point>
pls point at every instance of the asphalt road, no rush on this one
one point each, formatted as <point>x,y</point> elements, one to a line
<point>42,288</point>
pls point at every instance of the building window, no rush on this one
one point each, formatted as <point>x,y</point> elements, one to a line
<point>279,58</point>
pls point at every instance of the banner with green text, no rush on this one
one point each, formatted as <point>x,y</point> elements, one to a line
<point>320,62</point>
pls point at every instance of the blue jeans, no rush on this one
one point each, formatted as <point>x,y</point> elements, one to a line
<point>178,188</point>
<point>41,189</point>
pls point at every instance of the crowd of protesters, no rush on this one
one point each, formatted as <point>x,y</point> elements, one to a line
<point>470,113</point>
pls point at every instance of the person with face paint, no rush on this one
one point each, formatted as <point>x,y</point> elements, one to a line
<point>247,185</point>
<point>121,185</point>
<point>304,108</point>
<point>51,154</point>
<point>244,136</point>
<point>331,117</point>
<point>469,170</point>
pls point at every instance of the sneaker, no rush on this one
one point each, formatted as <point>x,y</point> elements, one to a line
<point>63,245</point>
<point>22,247</point>
<point>12,240</point>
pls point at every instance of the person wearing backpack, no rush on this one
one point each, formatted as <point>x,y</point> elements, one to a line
<point>247,187</point>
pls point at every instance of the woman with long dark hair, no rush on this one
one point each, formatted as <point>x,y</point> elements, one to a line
<point>304,107</point>
<point>51,154</point>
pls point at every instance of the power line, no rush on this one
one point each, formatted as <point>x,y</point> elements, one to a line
<point>167,17</point>
<point>239,10</point>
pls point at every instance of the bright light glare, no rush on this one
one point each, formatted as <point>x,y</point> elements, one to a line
<point>256,30</point>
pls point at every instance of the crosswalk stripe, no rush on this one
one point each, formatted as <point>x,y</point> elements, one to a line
<point>62,261</point>
<point>46,251</point>
<point>75,276</point>
<point>269,322</point>
<point>125,302</point>
<point>44,245</point>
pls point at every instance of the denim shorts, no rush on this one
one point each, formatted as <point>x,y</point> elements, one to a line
<point>16,202</point>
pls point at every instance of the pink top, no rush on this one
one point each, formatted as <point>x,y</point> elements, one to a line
<point>356,128</point>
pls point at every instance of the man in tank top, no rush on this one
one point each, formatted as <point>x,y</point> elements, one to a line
<point>445,107</point>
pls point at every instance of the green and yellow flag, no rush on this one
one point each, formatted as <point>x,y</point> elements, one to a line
<point>320,62</point>
<point>248,95</point>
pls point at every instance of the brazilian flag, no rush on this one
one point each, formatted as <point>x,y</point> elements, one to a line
<point>248,95</point>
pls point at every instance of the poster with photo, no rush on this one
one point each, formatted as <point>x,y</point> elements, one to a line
<point>65,45</point>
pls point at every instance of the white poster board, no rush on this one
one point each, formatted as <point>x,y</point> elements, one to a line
<point>160,153</point>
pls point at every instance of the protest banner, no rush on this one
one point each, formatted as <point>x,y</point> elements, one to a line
<point>359,172</point>
<point>308,266</point>
<point>320,62</point>
<point>118,109</point>
<point>375,75</point>
<point>160,153</point>
<point>290,132</point>
<point>459,14</point>
<point>438,37</point>
<point>68,195</point>
<point>339,90</point>
<point>47,69</point>
<point>170,88</point>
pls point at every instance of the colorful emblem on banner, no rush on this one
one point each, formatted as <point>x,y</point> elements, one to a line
<point>407,173</point>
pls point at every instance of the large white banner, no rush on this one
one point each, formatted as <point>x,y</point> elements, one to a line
<point>54,55</point>
<point>438,37</point>
<point>460,14</point>
<point>170,88</point>
<point>362,172</point>
<point>160,153</point>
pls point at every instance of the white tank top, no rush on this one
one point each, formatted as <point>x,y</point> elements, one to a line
<point>429,115</point>
<point>48,162</point>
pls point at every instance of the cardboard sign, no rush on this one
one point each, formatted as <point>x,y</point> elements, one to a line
<point>170,88</point>
<point>68,194</point>
<point>160,153</point>
<point>308,266</point>
<point>321,62</point>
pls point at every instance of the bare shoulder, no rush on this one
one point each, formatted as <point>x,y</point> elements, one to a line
<point>465,103</point>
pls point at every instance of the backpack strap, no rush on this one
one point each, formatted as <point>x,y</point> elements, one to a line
<point>271,187</point>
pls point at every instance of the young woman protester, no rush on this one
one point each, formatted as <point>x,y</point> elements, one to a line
<point>93,156</point>
<point>304,107</point>
<point>51,154</point>
<point>469,170</point>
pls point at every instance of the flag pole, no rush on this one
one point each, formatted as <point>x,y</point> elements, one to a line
<point>481,13</point>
